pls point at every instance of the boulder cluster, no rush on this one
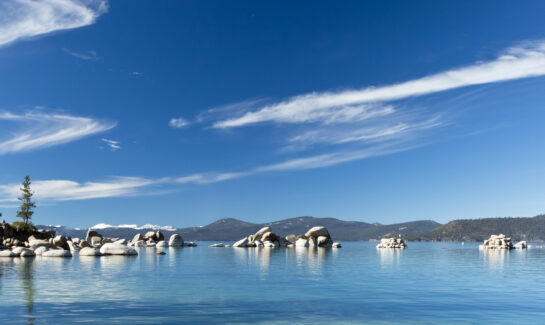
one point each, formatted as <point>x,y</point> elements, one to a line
<point>392,243</point>
<point>157,239</point>
<point>46,244</point>
<point>11,237</point>
<point>502,242</point>
<point>315,237</point>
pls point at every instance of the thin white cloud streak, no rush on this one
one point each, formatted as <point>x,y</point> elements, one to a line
<point>178,123</point>
<point>312,162</point>
<point>114,145</point>
<point>66,190</point>
<point>43,130</point>
<point>517,63</point>
<point>24,19</point>
<point>88,56</point>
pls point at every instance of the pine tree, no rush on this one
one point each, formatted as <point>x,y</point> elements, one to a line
<point>25,211</point>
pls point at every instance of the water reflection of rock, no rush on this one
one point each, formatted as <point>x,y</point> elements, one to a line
<point>495,258</point>
<point>315,259</point>
<point>25,269</point>
<point>389,256</point>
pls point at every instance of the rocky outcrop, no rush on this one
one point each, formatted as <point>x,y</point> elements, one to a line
<point>501,242</point>
<point>392,243</point>
<point>190,244</point>
<point>217,245</point>
<point>314,237</point>
<point>14,236</point>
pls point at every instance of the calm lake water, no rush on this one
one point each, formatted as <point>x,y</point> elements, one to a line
<point>428,283</point>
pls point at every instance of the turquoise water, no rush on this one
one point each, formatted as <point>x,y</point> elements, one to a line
<point>429,283</point>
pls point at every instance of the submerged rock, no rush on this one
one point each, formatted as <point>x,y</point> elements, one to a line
<point>190,244</point>
<point>336,245</point>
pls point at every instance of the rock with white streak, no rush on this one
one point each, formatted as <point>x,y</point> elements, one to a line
<point>162,243</point>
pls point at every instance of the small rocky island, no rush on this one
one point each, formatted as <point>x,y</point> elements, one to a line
<point>314,237</point>
<point>392,243</point>
<point>502,242</point>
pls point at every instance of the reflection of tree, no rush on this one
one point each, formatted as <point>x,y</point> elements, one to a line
<point>27,279</point>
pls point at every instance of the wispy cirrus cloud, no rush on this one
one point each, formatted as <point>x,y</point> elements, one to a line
<point>24,19</point>
<point>113,144</point>
<point>514,63</point>
<point>87,55</point>
<point>41,130</point>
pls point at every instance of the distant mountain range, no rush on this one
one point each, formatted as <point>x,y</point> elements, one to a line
<point>233,229</point>
<point>530,229</point>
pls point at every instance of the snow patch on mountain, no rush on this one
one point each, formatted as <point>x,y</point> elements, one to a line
<point>146,226</point>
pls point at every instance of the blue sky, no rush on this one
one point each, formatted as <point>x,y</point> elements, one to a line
<point>183,112</point>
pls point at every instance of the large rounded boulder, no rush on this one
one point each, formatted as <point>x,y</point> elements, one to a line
<point>317,232</point>
<point>175,241</point>
<point>116,249</point>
